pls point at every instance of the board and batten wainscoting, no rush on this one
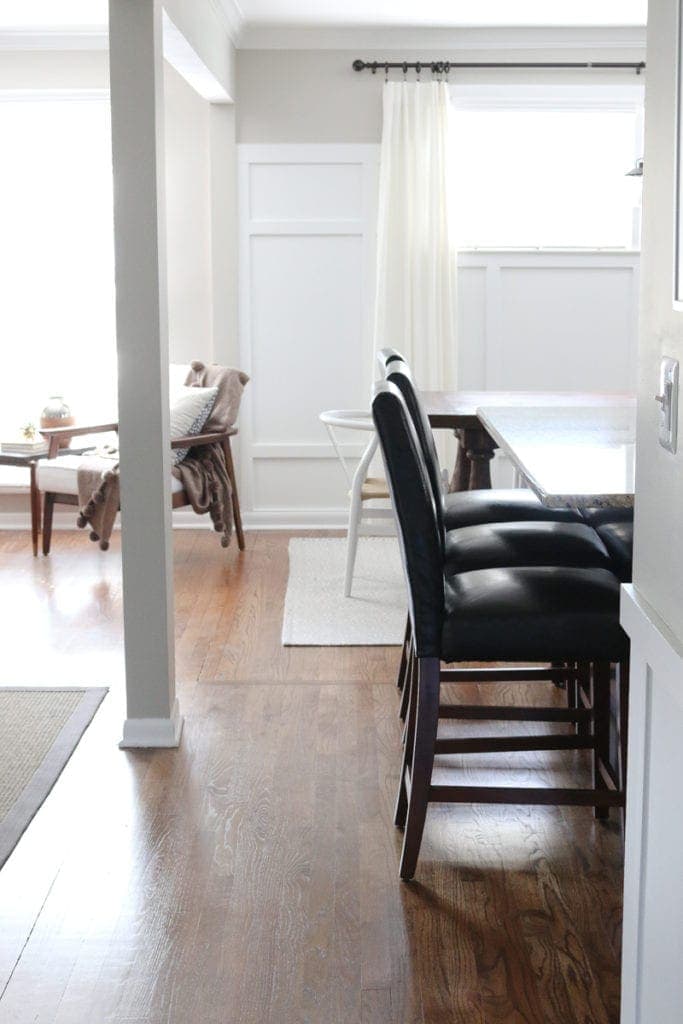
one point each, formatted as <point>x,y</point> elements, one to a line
<point>651,980</point>
<point>551,319</point>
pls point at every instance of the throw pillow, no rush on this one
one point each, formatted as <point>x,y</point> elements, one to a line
<point>190,409</point>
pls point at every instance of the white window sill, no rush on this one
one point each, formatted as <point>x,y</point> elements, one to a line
<point>551,250</point>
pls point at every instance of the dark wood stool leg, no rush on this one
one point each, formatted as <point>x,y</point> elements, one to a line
<point>35,509</point>
<point>582,684</point>
<point>404,656</point>
<point>571,686</point>
<point>48,509</point>
<point>237,515</point>
<point>426,724</point>
<point>411,669</point>
<point>601,715</point>
<point>561,684</point>
<point>410,700</point>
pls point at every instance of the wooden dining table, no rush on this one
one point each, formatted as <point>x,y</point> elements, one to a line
<point>470,415</point>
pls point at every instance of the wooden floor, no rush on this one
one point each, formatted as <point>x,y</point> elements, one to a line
<point>251,877</point>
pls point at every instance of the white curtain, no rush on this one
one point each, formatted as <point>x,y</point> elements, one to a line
<point>416,255</point>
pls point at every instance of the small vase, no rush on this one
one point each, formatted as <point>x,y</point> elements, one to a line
<point>57,414</point>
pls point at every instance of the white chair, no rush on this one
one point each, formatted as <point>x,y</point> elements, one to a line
<point>362,488</point>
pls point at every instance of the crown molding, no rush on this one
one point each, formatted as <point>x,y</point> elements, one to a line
<point>629,40</point>
<point>344,37</point>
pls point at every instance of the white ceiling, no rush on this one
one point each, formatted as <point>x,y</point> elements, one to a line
<point>70,14</point>
<point>443,13</point>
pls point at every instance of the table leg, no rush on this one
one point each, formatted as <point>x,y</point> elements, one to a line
<point>480,450</point>
<point>472,470</point>
<point>460,481</point>
<point>35,509</point>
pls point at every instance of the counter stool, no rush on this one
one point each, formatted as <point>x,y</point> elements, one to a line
<point>493,528</point>
<point>542,613</point>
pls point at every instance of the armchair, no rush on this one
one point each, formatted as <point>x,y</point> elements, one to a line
<point>56,476</point>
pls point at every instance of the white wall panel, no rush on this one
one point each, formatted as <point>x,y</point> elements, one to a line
<point>307,219</point>
<point>306,332</point>
<point>305,191</point>
<point>565,326</point>
<point>321,484</point>
<point>652,981</point>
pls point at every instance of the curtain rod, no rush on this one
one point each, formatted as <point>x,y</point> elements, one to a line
<point>438,67</point>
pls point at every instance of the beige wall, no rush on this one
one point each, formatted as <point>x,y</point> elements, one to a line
<point>224,233</point>
<point>188,220</point>
<point>54,69</point>
<point>658,569</point>
<point>316,96</point>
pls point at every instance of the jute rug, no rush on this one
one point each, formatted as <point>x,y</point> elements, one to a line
<point>316,612</point>
<point>39,731</point>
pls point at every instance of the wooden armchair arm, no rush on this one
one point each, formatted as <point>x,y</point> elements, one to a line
<point>98,428</point>
<point>196,439</point>
<point>55,434</point>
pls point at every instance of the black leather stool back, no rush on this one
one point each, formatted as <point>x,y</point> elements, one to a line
<point>419,530</point>
<point>387,356</point>
<point>398,373</point>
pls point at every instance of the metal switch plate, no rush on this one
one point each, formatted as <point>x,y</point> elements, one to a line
<point>668,403</point>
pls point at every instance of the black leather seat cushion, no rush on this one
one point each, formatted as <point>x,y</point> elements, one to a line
<point>509,544</point>
<point>535,614</point>
<point>596,517</point>
<point>618,539</point>
<point>472,508</point>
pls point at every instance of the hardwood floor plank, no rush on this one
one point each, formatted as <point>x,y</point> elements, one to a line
<point>251,877</point>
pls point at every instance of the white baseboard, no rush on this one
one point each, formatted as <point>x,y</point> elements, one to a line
<point>186,519</point>
<point>22,521</point>
<point>297,519</point>
<point>153,732</point>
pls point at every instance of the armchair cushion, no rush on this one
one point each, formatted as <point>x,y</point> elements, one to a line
<point>60,475</point>
<point>190,409</point>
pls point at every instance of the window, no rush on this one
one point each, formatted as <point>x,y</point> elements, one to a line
<point>56,258</point>
<point>546,168</point>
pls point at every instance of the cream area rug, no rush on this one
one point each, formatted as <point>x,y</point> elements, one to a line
<point>316,612</point>
<point>39,731</point>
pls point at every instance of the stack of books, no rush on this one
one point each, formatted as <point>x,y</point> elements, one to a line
<point>37,447</point>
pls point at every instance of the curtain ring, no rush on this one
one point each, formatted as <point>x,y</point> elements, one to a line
<point>405,68</point>
<point>386,72</point>
<point>418,68</point>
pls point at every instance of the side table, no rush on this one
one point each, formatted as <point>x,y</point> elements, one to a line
<point>30,461</point>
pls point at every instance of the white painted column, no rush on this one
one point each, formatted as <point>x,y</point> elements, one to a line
<point>137,116</point>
